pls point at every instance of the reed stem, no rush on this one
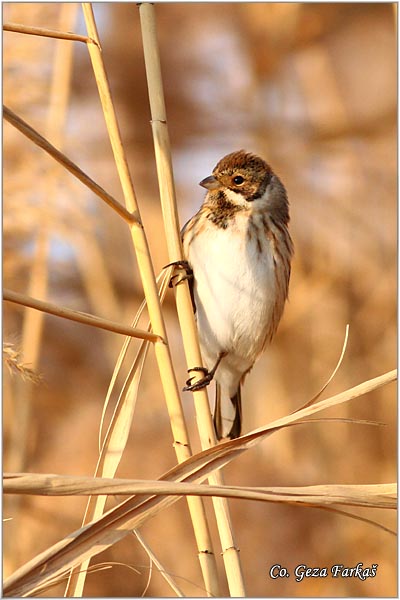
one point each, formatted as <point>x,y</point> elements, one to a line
<point>162,352</point>
<point>184,305</point>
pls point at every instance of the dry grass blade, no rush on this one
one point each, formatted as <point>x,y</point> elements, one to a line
<point>132,513</point>
<point>110,455</point>
<point>91,570</point>
<point>121,420</point>
<point>350,394</point>
<point>164,277</point>
<point>79,317</point>
<point>139,360</point>
<point>60,157</point>
<point>132,381</point>
<point>114,442</point>
<point>154,560</point>
<point>61,35</point>
<point>335,370</point>
<point>344,513</point>
<point>381,495</point>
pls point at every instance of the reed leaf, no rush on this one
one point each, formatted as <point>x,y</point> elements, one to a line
<point>133,512</point>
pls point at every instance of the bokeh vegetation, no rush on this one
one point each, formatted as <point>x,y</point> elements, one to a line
<point>312,88</point>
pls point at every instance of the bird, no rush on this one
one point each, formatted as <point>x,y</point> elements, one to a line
<point>238,253</point>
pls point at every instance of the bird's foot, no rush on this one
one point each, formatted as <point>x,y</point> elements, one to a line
<point>204,381</point>
<point>184,266</point>
<point>201,383</point>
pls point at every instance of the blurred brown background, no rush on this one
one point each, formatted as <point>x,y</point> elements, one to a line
<point>310,87</point>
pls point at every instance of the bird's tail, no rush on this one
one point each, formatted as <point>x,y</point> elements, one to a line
<point>227,414</point>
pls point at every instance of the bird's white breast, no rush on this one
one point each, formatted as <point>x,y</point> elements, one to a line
<point>234,289</point>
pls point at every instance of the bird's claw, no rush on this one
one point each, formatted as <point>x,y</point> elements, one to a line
<point>201,383</point>
<point>180,264</point>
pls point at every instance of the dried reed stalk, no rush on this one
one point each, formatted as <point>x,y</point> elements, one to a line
<point>113,443</point>
<point>154,560</point>
<point>33,321</point>
<point>381,495</point>
<point>183,301</point>
<point>60,157</point>
<point>41,31</point>
<point>38,282</point>
<point>181,445</point>
<point>133,512</point>
<point>79,317</point>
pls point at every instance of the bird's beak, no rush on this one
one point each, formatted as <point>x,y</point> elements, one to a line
<point>210,183</point>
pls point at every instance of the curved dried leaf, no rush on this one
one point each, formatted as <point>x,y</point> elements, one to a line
<point>133,512</point>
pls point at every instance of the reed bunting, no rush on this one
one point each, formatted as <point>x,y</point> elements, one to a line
<point>239,250</point>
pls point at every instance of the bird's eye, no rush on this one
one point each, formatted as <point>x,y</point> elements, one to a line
<point>238,179</point>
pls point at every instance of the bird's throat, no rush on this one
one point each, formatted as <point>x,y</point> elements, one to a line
<point>221,210</point>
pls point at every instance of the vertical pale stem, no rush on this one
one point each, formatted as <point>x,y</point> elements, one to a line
<point>184,305</point>
<point>38,282</point>
<point>33,321</point>
<point>178,425</point>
